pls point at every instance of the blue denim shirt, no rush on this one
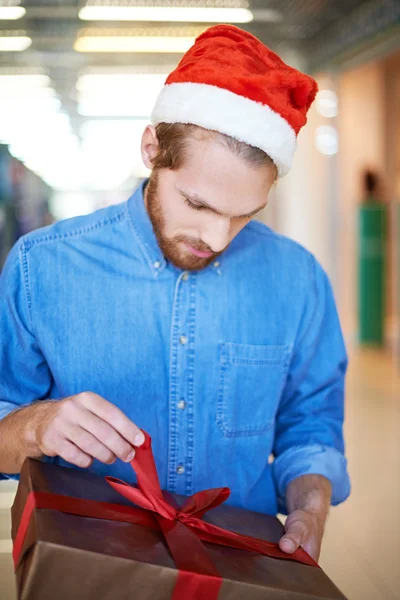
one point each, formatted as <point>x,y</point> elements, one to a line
<point>237,371</point>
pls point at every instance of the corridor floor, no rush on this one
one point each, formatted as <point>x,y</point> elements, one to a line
<point>361,550</point>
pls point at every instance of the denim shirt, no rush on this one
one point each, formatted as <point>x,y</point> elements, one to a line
<point>237,371</point>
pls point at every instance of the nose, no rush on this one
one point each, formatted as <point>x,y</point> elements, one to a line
<point>216,236</point>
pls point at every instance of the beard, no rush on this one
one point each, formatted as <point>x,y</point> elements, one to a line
<point>173,249</point>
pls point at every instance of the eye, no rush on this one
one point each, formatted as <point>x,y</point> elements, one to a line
<point>194,206</point>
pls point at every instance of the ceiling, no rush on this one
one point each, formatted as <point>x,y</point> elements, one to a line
<point>53,26</point>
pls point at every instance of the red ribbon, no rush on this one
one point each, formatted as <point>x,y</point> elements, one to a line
<point>182,527</point>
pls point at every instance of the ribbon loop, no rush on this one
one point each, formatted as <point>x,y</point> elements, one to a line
<point>201,502</point>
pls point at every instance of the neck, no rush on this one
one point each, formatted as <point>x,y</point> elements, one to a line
<point>145,190</point>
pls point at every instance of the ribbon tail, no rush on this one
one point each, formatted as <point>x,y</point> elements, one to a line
<point>216,535</point>
<point>186,548</point>
<point>198,579</point>
<point>196,587</point>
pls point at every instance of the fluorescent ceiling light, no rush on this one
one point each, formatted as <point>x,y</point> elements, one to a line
<point>111,129</point>
<point>11,13</point>
<point>94,107</point>
<point>118,95</point>
<point>113,83</point>
<point>327,140</point>
<point>111,152</point>
<point>327,103</point>
<point>129,70</point>
<point>24,81</point>
<point>119,43</point>
<point>14,43</point>
<point>199,14</point>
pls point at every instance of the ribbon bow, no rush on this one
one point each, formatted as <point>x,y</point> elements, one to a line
<point>183,528</point>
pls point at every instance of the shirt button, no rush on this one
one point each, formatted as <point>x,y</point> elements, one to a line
<point>216,264</point>
<point>181,404</point>
<point>180,470</point>
<point>183,340</point>
<point>157,264</point>
<point>185,276</point>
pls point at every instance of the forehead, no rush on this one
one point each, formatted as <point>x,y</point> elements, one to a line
<point>226,181</point>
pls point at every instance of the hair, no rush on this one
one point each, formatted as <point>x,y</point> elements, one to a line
<point>173,137</point>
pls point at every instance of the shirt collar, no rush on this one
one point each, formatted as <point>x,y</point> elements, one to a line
<point>144,232</point>
<point>146,237</point>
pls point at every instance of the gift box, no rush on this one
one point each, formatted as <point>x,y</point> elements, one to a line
<point>81,536</point>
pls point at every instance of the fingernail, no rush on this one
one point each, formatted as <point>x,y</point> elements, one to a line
<point>139,439</point>
<point>130,456</point>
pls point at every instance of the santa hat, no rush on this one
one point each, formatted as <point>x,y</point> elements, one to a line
<point>232,83</point>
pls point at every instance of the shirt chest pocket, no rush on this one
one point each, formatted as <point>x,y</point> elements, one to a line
<point>251,381</point>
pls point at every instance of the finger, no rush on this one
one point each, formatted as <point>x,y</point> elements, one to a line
<point>114,417</point>
<point>90,445</point>
<point>296,532</point>
<point>107,435</point>
<point>73,455</point>
<point>312,548</point>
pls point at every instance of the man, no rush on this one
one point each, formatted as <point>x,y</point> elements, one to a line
<point>176,314</point>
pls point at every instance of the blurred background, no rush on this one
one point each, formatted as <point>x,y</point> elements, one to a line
<point>78,81</point>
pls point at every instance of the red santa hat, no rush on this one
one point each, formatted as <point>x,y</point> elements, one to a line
<point>232,83</point>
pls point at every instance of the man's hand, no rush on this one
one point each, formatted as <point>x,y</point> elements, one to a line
<point>308,501</point>
<point>84,427</point>
<point>78,429</point>
<point>303,529</point>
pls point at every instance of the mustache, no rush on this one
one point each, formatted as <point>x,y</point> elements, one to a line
<point>196,244</point>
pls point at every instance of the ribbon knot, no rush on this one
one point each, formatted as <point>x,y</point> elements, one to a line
<point>148,494</point>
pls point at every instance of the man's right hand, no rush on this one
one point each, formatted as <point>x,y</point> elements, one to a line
<point>82,428</point>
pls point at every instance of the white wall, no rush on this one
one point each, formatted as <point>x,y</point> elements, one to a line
<point>303,206</point>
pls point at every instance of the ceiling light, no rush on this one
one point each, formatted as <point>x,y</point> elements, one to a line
<point>327,103</point>
<point>129,70</point>
<point>95,107</point>
<point>111,152</point>
<point>133,44</point>
<point>186,14</point>
<point>35,129</point>
<point>118,95</point>
<point>14,41</point>
<point>113,83</point>
<point>111,129</point>
<point>11,13</point>
<point>327,140</point>
<point>162,40</point>
<point>12,82</point>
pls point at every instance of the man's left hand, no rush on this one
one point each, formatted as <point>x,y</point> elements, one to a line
<point>303,528</point>
<point>308,499</point>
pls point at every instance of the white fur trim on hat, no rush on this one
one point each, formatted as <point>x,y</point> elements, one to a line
<point>218,109</point>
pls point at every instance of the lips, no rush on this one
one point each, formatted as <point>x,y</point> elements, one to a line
<point>198,253</point>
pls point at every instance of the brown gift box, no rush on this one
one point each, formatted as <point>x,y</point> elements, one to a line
<point>66,556</point>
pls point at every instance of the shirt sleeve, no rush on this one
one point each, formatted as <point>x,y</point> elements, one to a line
<point>309,422</point>
<point>24,373</point>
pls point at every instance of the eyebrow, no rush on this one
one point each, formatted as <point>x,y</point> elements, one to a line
<point>196,199</point>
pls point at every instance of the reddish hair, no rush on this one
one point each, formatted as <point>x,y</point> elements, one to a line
<point>173,137</point>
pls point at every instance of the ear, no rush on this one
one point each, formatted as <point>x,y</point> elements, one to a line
<point>149,146</point>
